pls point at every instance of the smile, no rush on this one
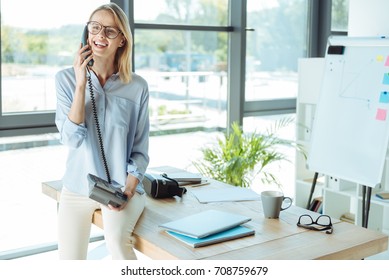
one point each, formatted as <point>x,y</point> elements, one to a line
<point>99,44</point>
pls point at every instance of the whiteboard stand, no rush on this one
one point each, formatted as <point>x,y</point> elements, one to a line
<point>366,191</point>
<point>312,189</point>
<point>366,198</point>
<point>353,105</point>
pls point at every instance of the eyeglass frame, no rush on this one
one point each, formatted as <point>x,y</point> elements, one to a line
<point>328,228</point>
<point>103,27</point>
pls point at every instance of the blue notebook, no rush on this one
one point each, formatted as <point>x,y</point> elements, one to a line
<point>205,223</point>
<point>230,234</point>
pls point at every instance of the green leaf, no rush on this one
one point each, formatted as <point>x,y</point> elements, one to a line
<point>238,157</point>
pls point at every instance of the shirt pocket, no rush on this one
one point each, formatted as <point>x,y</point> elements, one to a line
<point>122,113</point>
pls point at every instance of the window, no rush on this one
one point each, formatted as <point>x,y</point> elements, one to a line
<point>186,75</point>
<point>278,39</point>
<point>339,17</point>
<point>34,46</point>
<point>181,50</point>
<point>182,12</point>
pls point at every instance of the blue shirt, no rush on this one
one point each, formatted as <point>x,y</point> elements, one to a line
<point>123,116</point>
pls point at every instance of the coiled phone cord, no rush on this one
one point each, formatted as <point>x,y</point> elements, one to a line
<point>92,97</point>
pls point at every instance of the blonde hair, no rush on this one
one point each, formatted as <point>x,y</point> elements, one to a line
<point>123,57</point>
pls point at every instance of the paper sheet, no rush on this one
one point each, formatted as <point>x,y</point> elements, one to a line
<point>207,195</point>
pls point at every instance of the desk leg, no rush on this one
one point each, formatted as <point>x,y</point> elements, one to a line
<point>366,197</point>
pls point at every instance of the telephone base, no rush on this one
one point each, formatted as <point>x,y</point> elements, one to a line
<point>104,193</point>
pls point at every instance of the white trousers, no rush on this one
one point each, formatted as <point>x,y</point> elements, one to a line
<point>74,226</point>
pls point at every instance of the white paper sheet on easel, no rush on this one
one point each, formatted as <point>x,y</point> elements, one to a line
<point>206,195</point>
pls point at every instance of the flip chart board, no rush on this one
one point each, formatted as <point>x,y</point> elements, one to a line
<point>351,127</point>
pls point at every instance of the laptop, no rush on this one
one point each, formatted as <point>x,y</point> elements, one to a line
<point>205,223</point>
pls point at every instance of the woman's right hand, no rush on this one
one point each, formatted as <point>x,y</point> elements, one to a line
<point>77,110</point>
<point>84,55</point>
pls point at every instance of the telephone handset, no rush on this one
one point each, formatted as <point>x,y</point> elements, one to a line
<point>101,190</point>
<point>84,41</point>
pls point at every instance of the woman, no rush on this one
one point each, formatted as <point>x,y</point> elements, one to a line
<point>122,110</point>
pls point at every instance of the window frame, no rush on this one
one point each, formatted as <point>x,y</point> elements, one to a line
<point>26,123</point>
<point>318,30</point>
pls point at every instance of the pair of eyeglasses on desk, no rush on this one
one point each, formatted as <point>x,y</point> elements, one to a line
<point>322,223</point>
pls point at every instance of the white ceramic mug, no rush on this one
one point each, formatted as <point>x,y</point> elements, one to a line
<point>272,203</point>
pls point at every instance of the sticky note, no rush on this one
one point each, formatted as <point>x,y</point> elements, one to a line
<point>384,97</point>
<point>387,61</point>
<point>380,58</point>
<point>385,80</point>
<point>381,115</point>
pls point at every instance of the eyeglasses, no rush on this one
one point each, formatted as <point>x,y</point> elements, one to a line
<point>322,223</point>
<point>110,32</point>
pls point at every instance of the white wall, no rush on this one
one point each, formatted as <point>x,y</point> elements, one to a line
<point>368,18</point>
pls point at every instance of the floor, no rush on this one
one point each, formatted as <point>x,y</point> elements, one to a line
<point>20,192</point>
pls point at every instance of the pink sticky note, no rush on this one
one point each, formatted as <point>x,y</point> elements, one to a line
<point>387,61</point>
<point>381,114</point>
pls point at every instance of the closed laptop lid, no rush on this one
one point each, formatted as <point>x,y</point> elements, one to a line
<point>205,223</point>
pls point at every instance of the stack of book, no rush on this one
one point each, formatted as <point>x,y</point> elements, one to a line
<point>208,227</point>
<point>348,217</point>
<point>383,195</point>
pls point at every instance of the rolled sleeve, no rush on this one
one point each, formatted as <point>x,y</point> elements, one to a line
<point>72,134</point>
<point>133,170</point>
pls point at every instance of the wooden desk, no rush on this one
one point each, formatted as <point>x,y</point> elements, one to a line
<point>274,238</point>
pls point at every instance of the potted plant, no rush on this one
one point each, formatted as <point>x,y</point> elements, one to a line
<point>238,158</point>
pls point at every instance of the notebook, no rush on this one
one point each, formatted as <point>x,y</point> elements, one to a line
<point>230,234</point>
<point>205,223</point>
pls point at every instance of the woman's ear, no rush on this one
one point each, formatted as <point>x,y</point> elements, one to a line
<point>122,43</point>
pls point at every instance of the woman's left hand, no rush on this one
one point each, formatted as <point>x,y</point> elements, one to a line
<point>130,190</point>
<point>129,194</point>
